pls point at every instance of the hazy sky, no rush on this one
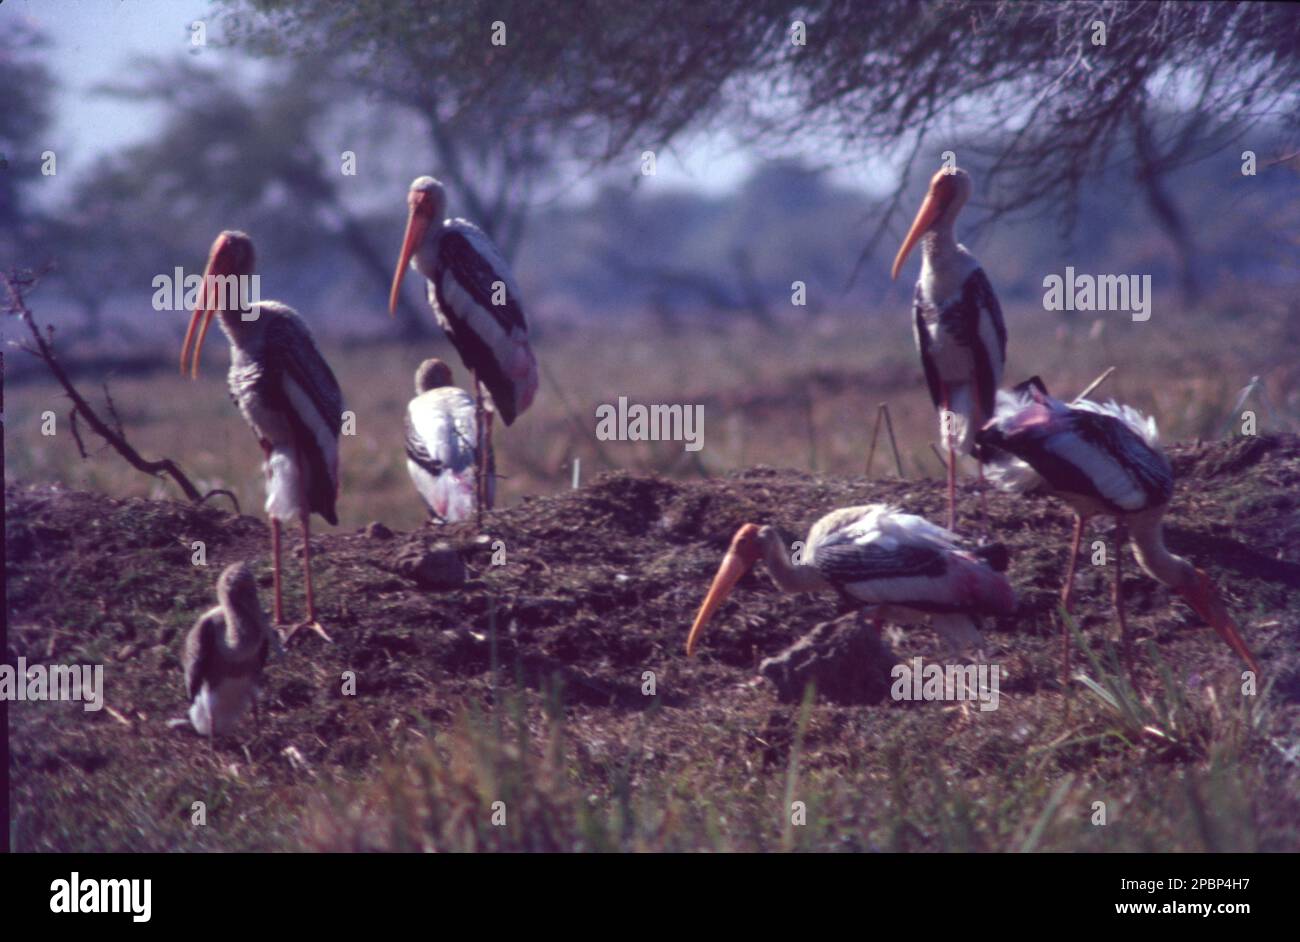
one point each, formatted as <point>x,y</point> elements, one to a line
<point>95,41</point>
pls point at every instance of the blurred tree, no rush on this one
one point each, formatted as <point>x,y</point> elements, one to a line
<point>226,157</point>
<point>1060,86</point>
<point>24,121</point>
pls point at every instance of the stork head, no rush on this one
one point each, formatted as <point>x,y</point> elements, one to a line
<point>235,581</point>
<point>745,550</point>
<point>229,260</point>
<point>432,374</point>
<point>949,190</point>
<point>426,202</point>
<point>1202,595</point>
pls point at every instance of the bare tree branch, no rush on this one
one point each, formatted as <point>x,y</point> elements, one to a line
<point>17,285</point>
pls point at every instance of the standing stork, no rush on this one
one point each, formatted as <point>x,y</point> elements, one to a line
<point>893,565</point>
<point>441,433</point>
<point>957,323</point>
<point>1102,460</point>
<point>476,301</point>
<point>285,391</point>
<point>225,653</point>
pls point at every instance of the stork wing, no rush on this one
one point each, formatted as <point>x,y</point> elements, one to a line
<point>470,257</point>
<point>478,304</point>
<point>986,332</point>
<point>200,644</point>
<point>302,383</point>
<point>1124,470</point>
<point>921,332</point>
<point>1091,454</point>
<point>440,430</point>
<point>416,450</point>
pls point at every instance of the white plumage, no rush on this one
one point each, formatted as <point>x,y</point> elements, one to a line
<point>441,437</point>
<point>894,565</point>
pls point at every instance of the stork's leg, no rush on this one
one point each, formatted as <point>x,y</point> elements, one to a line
<point>480,462</point>
<point>945,426</point>
<point>310,621</point>
<point>1121,535</point>
<point>1079,523</point>
<point>275,570</point>
<point>487,461</point>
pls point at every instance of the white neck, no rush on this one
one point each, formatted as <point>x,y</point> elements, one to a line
<point>1154,556</point>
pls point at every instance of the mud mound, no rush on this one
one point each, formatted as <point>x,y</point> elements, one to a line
<point>594,589</point>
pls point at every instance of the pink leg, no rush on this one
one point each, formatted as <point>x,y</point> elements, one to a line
<point>306,566</point>
<point>1121,536</point>
<point>944,423</point>
<point>1079,523</point>
<point>480,458</point>
<point>487,464</point>
<point>275,570</point>
<point>310,621</point>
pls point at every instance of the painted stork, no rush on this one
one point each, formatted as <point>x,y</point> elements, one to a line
<point>441,432</point>
<point>476,301</point>
<point>225,653</point>
<point>1102,460</point>
<point>893,565</point>
<point>285,391</point>
<point>957,323</point>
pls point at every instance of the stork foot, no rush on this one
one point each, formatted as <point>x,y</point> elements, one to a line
<point>310,624</point>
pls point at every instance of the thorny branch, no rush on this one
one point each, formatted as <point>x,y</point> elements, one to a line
<point>17,285</point>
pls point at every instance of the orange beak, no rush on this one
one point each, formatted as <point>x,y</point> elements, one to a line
<point>417,224</point>
<point>740,558</point>
<point>204,310</point>
<point>926,216</point>
<point>1205,599</point>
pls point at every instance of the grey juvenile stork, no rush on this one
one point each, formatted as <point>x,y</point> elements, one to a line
<point>476,301</point>
<point>285,391</point>
<point>893,565</point>
<point>1102,460</point>
<point>225,653</point>
<point>957,323</point>
<point>441,432</point>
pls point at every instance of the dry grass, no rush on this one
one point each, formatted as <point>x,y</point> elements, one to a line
<point>805,398</point>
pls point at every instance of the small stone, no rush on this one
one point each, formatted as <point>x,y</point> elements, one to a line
<point>377,531</point>
<point>437,567</point>
<point>844,659</point>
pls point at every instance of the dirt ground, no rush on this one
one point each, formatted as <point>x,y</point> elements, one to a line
<point>590,590</point>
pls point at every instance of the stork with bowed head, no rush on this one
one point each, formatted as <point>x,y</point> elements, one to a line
<point>892,565</point>
<point>286,393</point>
<point>1102,460</point>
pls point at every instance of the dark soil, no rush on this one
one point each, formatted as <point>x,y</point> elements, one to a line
<point>596,587</point>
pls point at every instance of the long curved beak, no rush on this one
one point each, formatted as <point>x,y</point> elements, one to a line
<point>204,309</point>
<point>417,224</point>
<point>930,211</point>
<point>1205,599</point>
<point>733,568</point>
